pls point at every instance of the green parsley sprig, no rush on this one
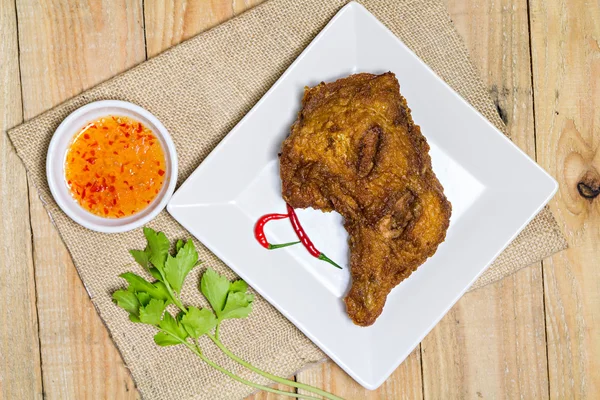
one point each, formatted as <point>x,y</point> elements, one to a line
<point>146,302</point>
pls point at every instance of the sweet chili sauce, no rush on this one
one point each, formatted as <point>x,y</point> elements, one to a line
<point>115,167</point>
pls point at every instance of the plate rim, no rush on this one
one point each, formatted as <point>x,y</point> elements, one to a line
<point>173,207</point>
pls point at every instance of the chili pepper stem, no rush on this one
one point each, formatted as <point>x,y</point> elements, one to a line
<point>259,232</point>
<point>323,257</point>
<point>278,246</point>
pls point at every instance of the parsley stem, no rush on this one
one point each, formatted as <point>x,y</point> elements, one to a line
<point>217,330</point>
<point>179,304</point>
<point>267,375</point>
<point>196,350</point>
<point>174,297</point>
<point>177,301</point>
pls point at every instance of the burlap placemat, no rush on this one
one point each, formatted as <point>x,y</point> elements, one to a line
<point>200,90</point>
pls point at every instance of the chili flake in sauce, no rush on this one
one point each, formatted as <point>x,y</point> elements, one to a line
<point>115,167</point>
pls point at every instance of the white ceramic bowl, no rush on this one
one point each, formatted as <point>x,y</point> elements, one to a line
<point>55,165</point>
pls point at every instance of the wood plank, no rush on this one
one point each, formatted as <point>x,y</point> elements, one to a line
<point>239,6</point>
<point>404,383</point>
<point>566,69</point>
<point>492,343</point>
<point>67,46</point>
<point>171,22</point>
<point>262,395</point>
<point>20,368</point>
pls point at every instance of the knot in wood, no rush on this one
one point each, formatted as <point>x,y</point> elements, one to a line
<point>589,185</point>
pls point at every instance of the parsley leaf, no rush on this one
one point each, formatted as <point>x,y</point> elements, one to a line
<point>215,288</point>
<point>144,298</point>
<point>127,301</point>
<point>141,257</point>
<point>155,253</point>
<point>198,322</point>
<point>138,284</point>
<point>238,286</point>
<point>155,274</point>
<point>158,247</point>
<point>177,268</point>
<point>134,318</point>
<point>163,339</point>
<point>152,313</point>
<point>178,245</point>
<point>238,305</point>
<point>172,326</point>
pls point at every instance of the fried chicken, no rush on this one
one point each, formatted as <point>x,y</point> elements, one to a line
<point>354,149</point>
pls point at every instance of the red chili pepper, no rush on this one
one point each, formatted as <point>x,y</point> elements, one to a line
<point>259,232</point>
<point>305,240</point>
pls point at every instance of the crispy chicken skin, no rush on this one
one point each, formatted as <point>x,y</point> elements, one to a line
<point>354,149</point>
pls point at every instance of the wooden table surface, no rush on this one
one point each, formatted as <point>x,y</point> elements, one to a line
<point>534,335</point>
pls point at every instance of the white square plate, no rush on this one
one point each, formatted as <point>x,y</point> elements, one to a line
<point>495,190</point>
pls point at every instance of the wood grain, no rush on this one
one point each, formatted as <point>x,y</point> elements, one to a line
<point>20,369</point>
<point>404,383</point>
<point>262,395</point>
<point>239,6</point>
<point>68,46</point>
<point>169,22</point>
<point>565,39</point>
<point>492,344</point>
